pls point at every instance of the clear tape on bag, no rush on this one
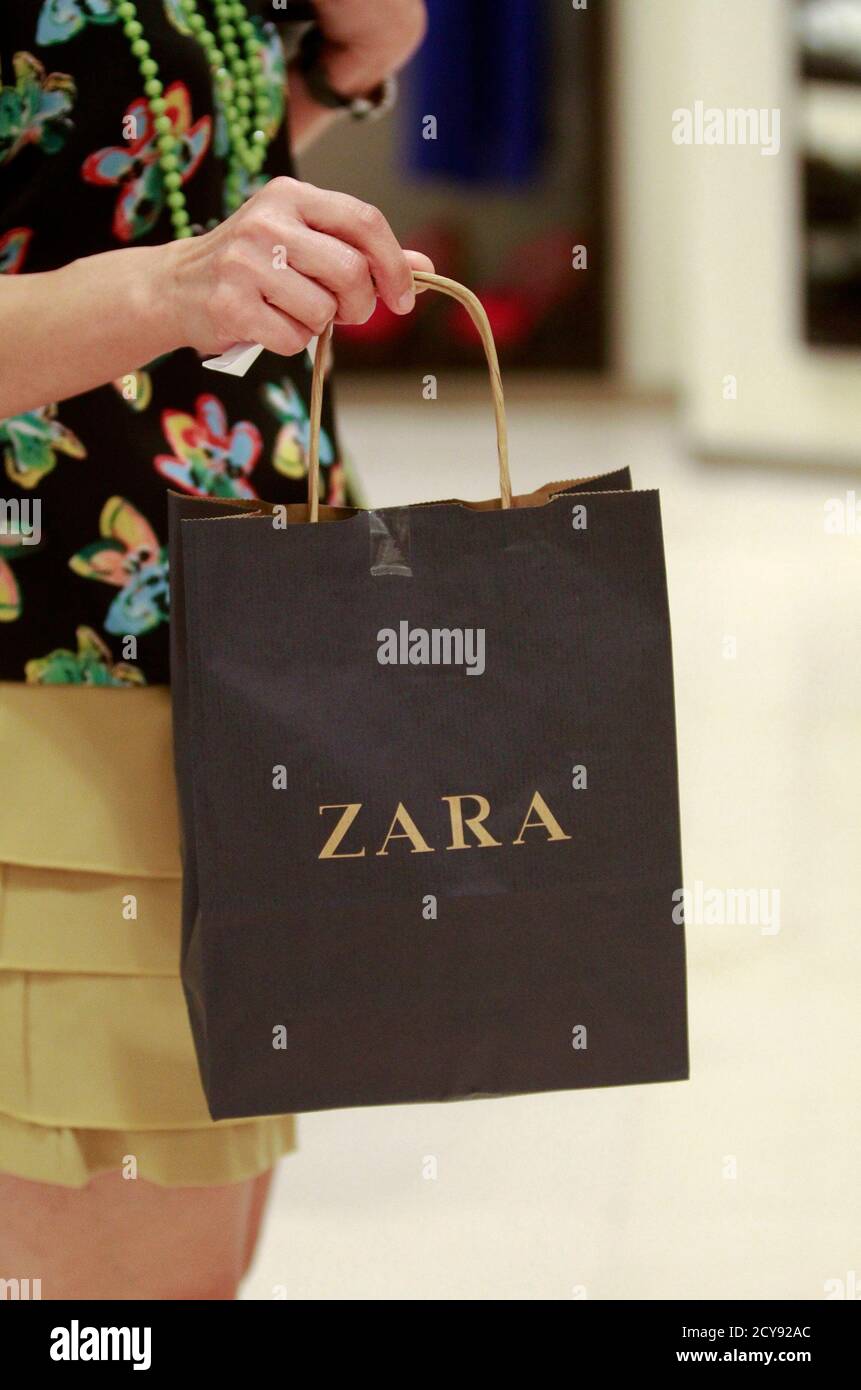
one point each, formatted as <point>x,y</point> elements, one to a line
<point>389,535</point>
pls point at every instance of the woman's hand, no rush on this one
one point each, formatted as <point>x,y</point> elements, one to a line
<point>293,258</point>
<point>290,261</point>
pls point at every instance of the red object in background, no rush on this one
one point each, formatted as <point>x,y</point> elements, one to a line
<point>510,314</point>
<point>536,277</point>
<point>384,329</point>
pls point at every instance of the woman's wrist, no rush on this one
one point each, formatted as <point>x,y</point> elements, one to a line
<point>354,73</point>
<point>348,73</point>
<point>155,293</point>
<point>363,43</point>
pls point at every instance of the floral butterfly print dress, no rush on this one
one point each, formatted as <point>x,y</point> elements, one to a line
<point>87,599</point>
<point>133,167</point>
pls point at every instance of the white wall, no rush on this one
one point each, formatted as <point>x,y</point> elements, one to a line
<point>645,46</point>
<point>708,282</point>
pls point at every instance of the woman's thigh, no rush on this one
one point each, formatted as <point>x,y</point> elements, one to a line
<point>129,1239</point>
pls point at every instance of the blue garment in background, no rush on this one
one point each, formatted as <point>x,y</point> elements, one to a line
<point>483,72</point>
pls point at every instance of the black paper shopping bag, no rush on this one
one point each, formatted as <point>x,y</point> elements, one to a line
<point>427,774</point>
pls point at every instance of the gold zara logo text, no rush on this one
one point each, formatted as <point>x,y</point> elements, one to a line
<point>538,817</point>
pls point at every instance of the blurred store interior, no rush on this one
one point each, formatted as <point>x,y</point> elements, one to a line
<point>710,339</point>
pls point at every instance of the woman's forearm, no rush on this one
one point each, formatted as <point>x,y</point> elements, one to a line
<point>291,260</point>
<point>66,331</point>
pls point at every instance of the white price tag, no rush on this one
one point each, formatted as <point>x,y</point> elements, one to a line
<point>236,360</point>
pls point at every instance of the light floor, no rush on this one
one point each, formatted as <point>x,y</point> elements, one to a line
<point>630,1193</point>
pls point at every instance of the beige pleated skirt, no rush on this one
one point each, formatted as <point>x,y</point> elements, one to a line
<point>97,1066</point>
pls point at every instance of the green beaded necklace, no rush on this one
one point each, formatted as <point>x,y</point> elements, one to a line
<point>239,83</point>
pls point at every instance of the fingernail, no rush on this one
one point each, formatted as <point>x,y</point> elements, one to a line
<point>406,302</point>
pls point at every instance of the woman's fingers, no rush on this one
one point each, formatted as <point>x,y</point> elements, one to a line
<point>291,260</point>
<point>417,260</point>
<point>279,331</point>
<point>305,303</point>
<point>342,269</point>
<point>341,273</point>
<point>302,298</point>
<point>364,228</point>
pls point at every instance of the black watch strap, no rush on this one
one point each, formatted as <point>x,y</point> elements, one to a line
<point>310,62</point>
